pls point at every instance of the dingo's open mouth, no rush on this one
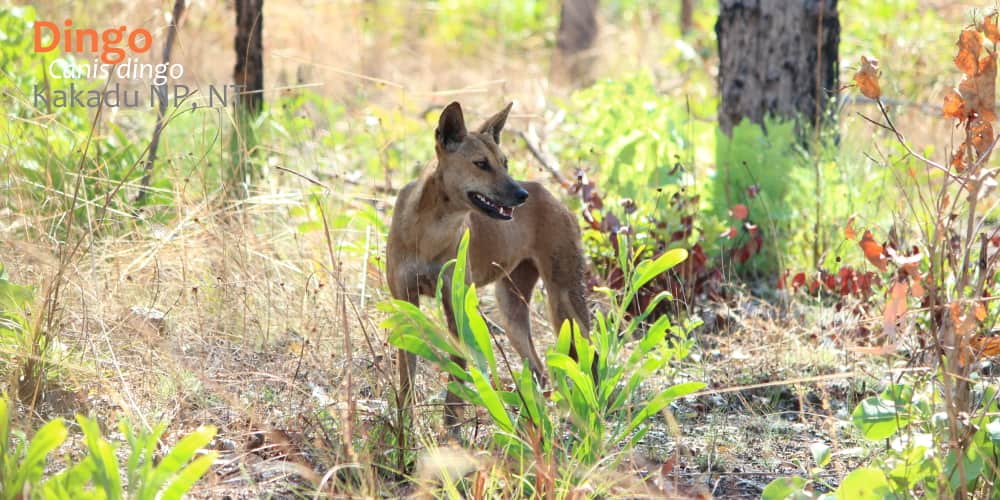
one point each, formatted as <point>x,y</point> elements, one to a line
<point>491,207</point>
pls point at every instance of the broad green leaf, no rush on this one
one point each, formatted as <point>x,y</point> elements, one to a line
<point>972,465</point>
<point>103,455</point>
<point>464,392</point>
<point>584,384</point>
<point>184,480</point>
<point>480,333</point>
<point>821,454</point>
<point>913,468</point>
<point>867,483</point>
<point>47,439</point>
<point>784,488</point>
<point>649,269</point>
<point>901,394</point>
<point>491,401</point>
<point>878,418</point>
<point>458,286</point>
<point>179,455</point>
<point>992,430</point>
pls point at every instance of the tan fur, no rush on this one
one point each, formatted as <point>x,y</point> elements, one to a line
<point>541,240</point>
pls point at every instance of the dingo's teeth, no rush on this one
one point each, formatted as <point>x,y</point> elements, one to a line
<point>491,207</point>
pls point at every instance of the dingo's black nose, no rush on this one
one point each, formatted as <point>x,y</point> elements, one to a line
<point>520,195</point>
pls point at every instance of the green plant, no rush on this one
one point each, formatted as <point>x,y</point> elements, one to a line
<point>941,427</point>
<point>22,462</point>
<point>586,421</point>
<point>98,474</point>
<point>24,342</point>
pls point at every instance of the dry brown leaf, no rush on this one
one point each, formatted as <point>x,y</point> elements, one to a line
<point>867,78</point>
<point>916,288</point>
<point>970,45</point>
<point>895,308</point>
<point>964,323</point>
<point>986,347</point>
<point>879,350</point>
<point>980,312</point>
<point>849,229</point>
<point>979,90</point>
<point>990,27</point>
<point>954,105</point>
<point>982,137</point>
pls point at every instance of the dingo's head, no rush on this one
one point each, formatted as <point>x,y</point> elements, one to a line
<point>472,167</point>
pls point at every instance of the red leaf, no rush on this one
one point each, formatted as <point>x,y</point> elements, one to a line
<point>873,251</point>
<point>798,280</point>
<point>739,211</point>
<point>781,280</point>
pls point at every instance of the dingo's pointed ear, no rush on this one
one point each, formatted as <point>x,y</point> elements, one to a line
<point>495,123</point>
<point>451,127</point>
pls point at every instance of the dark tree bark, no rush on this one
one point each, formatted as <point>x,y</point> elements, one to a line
<point>249,70</point>
<point>248,75</point>
<point>776,57</point>
<point>574,58</point>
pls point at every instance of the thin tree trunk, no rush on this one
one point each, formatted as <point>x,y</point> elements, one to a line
<point>248,75</point>
<point>687,16</point>
<point>161,111</point>
<point>574,58</point>
<point>249,70</point>
<point>776,57</point>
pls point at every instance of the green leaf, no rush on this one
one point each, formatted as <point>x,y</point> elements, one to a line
<point>480,333</point>
<point>309,227</point>
<point>821,454</point>
<point>867,483</point>
<point>649,269</point>
<point>783,488</point>
<point>972,465</point>
<point>190,475</point>
<point>458,285</point>
<point>912,468</point>
<point>584,385</point>
<point>179,455</point>
<point>464,392</point>
<point>878,418</point>
<point>658,403</point>
<point>491,401</point>
<point>47,439</point>
<point>102,453</point>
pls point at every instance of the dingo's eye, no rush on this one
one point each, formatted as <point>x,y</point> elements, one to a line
<point>482,164</point>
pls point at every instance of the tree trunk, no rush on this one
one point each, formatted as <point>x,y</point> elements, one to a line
<point>574,58</point>
<point>249,70</point>
<point>687,16</point>
<point>776,57</point>
<point>248,75</point>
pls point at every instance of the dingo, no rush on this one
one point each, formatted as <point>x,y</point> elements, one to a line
<point>518,232</point>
